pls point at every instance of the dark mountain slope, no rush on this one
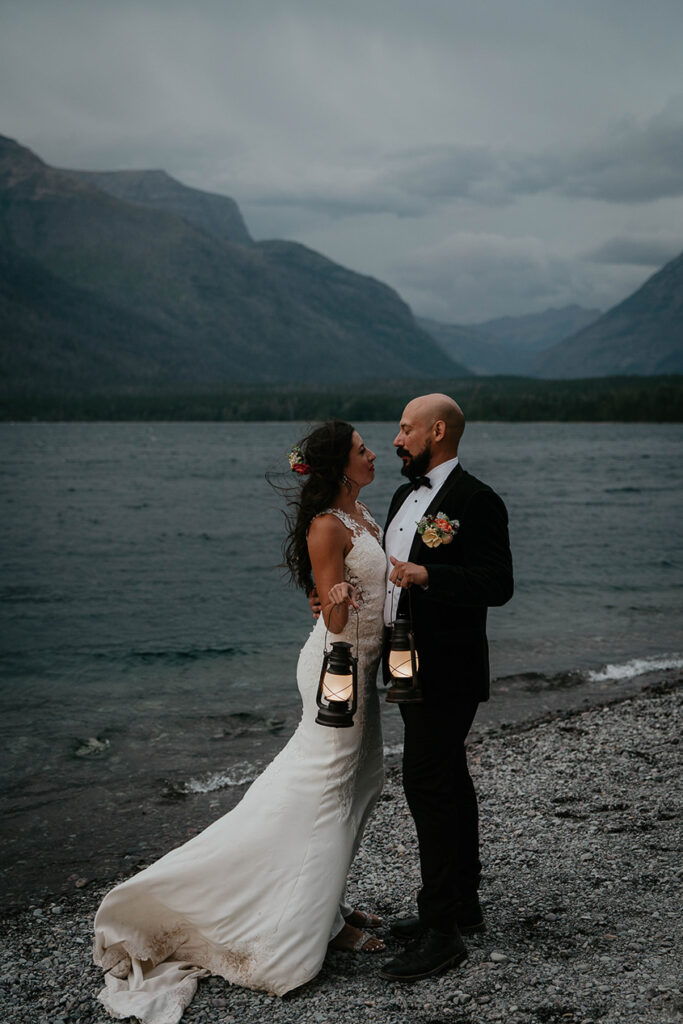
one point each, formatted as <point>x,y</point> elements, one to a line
<point>641,335</point>
<point>97,345</point>
<point>218,215</point>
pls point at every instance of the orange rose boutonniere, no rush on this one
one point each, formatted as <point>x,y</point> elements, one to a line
<point>437,530</point>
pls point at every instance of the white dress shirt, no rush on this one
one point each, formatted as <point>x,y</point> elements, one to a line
<point>398,539</point>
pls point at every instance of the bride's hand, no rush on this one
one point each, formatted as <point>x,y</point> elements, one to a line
<point>343,593</point>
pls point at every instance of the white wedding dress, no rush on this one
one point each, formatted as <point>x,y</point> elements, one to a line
<point>257,896</point>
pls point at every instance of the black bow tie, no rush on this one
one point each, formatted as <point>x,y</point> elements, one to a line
<point>420,481</point>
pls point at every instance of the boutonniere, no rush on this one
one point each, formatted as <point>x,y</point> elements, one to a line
<point>437,530</point>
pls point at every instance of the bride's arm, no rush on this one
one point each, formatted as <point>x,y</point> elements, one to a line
<point>327,544</point>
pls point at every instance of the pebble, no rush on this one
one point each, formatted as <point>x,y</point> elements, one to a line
<point>576,933</point>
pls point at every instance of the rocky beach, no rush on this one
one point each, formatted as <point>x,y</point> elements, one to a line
<point>581,891</point>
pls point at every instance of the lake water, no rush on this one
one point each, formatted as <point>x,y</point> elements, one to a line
<point>149,641</point>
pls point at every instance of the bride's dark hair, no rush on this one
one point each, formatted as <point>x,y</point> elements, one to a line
<point>326,451</point>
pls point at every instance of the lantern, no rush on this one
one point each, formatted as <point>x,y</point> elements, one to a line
<point>403,664</point>
<point>337,696</point>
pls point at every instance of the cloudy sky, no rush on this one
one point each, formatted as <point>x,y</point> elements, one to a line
<point>485,158</point>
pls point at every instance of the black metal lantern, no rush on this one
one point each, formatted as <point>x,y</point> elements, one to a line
<point>337,696</point>
<point>403,664</point>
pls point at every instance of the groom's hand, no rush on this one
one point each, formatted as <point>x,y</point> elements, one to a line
<point>315,604</point>
<point>405,574</point>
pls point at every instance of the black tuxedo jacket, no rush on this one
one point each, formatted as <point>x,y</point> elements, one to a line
<point>466,576</point>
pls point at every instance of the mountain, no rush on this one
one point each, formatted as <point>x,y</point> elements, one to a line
<point>641,335</point>
<point>507,345</point>
<point>536,331</point>
<point>132,279</point>
<point>481,353</point>
<point>56,333</point>
<point>218,215</point>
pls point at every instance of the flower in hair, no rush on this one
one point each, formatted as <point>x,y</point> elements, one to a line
<point>296,461</point>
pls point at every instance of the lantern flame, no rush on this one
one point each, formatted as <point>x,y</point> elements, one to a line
<point>400,664</point>
<point>337,688</point>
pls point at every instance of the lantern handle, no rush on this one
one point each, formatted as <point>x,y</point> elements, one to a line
<point>410,605</point>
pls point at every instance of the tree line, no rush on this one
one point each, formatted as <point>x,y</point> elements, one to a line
<point>510,399</point>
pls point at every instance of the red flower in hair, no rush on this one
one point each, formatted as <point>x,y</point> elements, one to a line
<point>296,461</point>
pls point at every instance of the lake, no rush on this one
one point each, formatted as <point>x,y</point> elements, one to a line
<point>149,640</point>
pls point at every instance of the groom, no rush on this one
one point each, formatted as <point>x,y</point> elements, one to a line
<point>451,586</point>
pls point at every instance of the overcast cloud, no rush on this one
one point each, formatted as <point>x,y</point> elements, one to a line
<point>485,159</point>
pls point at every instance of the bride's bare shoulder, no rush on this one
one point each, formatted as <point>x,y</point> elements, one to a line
<point>327,538</point>
<point>326,525</point>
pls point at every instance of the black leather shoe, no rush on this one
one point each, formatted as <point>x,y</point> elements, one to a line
<point>406,929</point>
<point>469,918</point>
<point>431,953</point>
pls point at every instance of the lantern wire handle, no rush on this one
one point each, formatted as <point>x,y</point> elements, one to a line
<point>410,604</point>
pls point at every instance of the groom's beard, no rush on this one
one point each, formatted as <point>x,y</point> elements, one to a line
<point>417,464</point>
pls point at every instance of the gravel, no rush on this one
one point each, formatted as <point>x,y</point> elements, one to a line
<point>580,837</point>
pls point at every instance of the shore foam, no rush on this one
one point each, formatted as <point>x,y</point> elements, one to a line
<point>237,775</point>
<point>635,667</point>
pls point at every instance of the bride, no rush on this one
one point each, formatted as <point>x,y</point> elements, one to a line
<point>258,896</point>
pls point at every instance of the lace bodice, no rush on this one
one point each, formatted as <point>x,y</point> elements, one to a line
<point>353,525</point>
<point>365,569</point>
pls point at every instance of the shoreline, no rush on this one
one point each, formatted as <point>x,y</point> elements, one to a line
<point>111,831</point>
<point>580,851</point>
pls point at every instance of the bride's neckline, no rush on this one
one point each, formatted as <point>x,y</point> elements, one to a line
<point>364,518</point>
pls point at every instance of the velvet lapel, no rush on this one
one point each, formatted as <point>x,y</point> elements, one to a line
<point>450,484</point>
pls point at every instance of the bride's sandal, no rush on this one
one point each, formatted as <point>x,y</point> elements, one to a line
<point>362,919</point>
<point>353,940</point>
<point>117,963</point>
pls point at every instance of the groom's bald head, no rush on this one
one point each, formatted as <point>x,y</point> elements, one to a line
<point>430,423</point>
<point>432,409</point>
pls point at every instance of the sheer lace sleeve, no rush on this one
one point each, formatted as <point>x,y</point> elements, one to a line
<point>351,525</point>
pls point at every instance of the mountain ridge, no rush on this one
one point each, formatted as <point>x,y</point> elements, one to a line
<point>219,215</point>
<point>136,278</point>
<point>536,331</point>
<point>643,335</point>
<point>193,306</point>
<point>507,344</point>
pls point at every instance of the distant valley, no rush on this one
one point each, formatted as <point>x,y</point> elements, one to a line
<point>509,344</point>
<point>643,335</point>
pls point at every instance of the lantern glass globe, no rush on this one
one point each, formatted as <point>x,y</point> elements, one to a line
<point>336,687</point>
<point>400,664</point>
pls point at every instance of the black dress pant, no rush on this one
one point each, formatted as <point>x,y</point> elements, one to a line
<point>443,803</point>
